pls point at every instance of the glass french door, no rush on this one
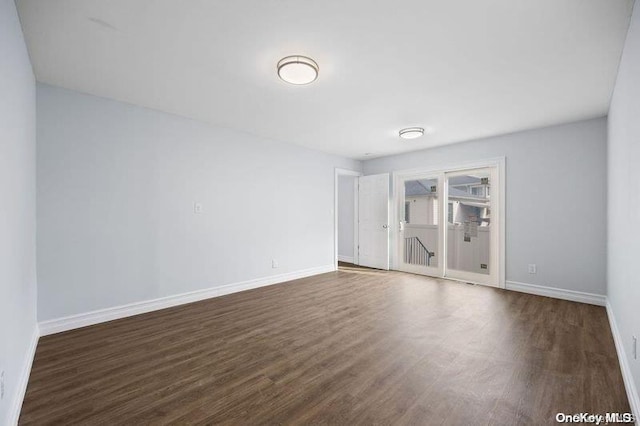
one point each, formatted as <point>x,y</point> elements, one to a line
<point>420,241</point>
<point>447,224</point>
<point>469,232</point>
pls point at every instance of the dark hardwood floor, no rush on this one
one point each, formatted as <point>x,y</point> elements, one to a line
<point>350,347</point>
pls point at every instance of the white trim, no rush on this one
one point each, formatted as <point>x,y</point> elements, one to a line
<point>23,380</point>
<point>348,259</point>
<point>345,172</point>
<point>356,220</point>
<point>627,377</point>
<point>453,167</point>
<point>502,205</point>
<point>558,293</point>
<point>59,325</point>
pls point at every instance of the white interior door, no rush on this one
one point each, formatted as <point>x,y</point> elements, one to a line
<point>373,223</point>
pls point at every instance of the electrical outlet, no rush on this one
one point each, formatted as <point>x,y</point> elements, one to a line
<point>635,347</point>
<point>274,264</point>
<point>2,385</point>
<point>533,269</point>
<point>197,208</point>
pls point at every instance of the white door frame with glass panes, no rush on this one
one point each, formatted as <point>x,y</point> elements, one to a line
<point>469,199</point>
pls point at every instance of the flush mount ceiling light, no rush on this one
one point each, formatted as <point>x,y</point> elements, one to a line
<point>298,69</point>
<point>411,132</point>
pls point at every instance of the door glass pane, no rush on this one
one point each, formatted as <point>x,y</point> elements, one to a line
<point>469,222</point>
<point>420,236</point>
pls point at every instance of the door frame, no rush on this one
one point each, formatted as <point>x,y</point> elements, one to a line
<point>356,174</point>
<point>398,176</point>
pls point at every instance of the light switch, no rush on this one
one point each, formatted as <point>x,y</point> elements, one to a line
<point>197,207</point>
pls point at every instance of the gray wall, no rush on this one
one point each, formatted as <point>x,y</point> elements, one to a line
<point>345,215</point>
<point>116,187</point>
<point>623,279</point>
<point>551,173</point>
<point>17,205</point>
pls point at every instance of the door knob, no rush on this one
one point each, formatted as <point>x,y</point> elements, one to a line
<point>385,226</point>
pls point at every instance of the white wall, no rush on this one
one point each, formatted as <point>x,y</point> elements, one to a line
<point>116,187</point>
<point>346,207</point>
<point>550,172</point>
<point>623,274</point>
<point>17,208</point>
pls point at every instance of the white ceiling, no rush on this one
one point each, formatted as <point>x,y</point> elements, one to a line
<point>466,68</point>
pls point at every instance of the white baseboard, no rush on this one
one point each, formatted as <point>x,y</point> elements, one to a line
<point>558,293</point>
<point>629,384</point>
<point>348,259</point>
<point>89,318</point>
<point>23,380</point>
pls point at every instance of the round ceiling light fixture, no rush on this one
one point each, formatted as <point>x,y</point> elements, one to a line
<point>298,69</point>
<point>411,132</point>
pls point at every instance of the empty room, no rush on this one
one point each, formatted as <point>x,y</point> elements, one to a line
<point>408,212</point>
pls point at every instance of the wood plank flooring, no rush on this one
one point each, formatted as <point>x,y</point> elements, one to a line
<point>349,347</point>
